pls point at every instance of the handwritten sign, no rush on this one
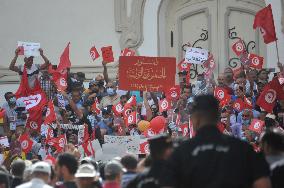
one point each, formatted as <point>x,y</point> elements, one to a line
<point>4,141</point>
<point>146,73</point>
<point>30,48</point>
<point>132,143</point>
<point>196,55</point>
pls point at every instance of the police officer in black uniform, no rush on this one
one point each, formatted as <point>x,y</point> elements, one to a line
<point>211,159</point>
<point>161,149</point>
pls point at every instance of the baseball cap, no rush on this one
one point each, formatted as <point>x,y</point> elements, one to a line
<point>41,167</point>
<point>113,168</point>
<point>86,171</point>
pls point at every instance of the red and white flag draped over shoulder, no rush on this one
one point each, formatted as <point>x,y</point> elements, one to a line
<point>265,22</point>
<point>256,126</point>
<point>34,99</point>
<point>50,113</point>
<point>26,143</point>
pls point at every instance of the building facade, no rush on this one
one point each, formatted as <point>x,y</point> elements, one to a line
<point>151,27</point>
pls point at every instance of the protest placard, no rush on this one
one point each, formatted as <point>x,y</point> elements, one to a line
<point>132,143</point>
<point>4,141</point>
<point>30,48</point>
<point>146,73</point>
<point>196,55</point>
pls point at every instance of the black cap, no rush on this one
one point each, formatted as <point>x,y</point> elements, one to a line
<point>159,143</point>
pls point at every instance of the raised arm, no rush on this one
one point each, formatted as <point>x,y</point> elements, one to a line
<point>13,66</point>
<point>105,73</point>
<point>46,61</point>
<point>77,111</point>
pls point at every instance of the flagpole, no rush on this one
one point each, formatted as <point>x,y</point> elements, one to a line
<point>276,42</point>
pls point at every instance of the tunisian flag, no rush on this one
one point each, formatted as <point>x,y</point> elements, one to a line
<point>256,126</point>
<point>50,113</point>
<point>117,109</point>
<point>267,98</point>
<point>34,99</point>
<point>94,53</point>
<point>164,105</point>
<point>239,47</point>
<point>256,61</point>
<point>64,59</point>
<point>264,20</point>
<point>26,143</point>
<point>173,93</point>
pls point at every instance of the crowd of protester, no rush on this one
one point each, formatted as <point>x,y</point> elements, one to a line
<point>94,107</point>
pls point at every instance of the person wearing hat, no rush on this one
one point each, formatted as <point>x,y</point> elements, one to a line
<point>32,69</point>
<point>41,172</point>
<point>160,148</point>
<point>113,172</point>
<point>86,175</point>
<point>212,159</point>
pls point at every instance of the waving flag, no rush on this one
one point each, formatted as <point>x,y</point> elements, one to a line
<point>267,98</point>
<point>107,54</point>
<point>127,52</point>
<point>117,109</point>
<point>50,114</point>
<point>265,22</point>
<point>164,105</point>
<point>256,126</point>
<point>184,66</point>
<point>173,93</point>
<point>239,47</point>
<point>94,53</point>
<point>26,143</point>
<point>64,59</point>
<point>256,61</point>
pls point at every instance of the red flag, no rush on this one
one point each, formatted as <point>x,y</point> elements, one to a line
<point>34,120</point>
<point>256,126</point>
<point>184,130</point>
<point>149,133</point>
<point>50,114</point>
<point>107,54</point>
<point>26,143</point>
<point>88,149</point>
<point>184,66</point>
<point>221,93</point>
<point>209,65</point>
<point>96,108</point>
<point>117,109</point>
<point>178,118</point>
<point>51,160</point>
<point>238,105</point>
<point>60,142</point>
<point>267,98</point>
<point>61,83</point>
<point>256,61</point>
<point>132,101</point>
<point>127,110</point>
<point>50,134</point>
<point>164,105</point>
<point>64,59</point>
<point>247,103</point>
<point>94,53</point>
<point>264,20</point>
<point>239,47</point>
<point>144,147</point>
<point>173,93</point>
<point>127,52</point>
<point>131,119</point>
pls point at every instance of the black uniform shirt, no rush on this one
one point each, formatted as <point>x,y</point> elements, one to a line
<point>214,160</point>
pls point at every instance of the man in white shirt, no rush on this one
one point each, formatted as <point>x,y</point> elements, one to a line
<point>41,172</point>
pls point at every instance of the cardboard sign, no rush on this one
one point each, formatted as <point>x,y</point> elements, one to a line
<point>196,55</point>
<point>139,73</point>
<point>30,48</point>
<point>4,141</point>
<point>132,143</point>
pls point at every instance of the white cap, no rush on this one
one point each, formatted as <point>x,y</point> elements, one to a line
<point>271,116</point>
<point>41,167</point>
<point>86,171</point>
